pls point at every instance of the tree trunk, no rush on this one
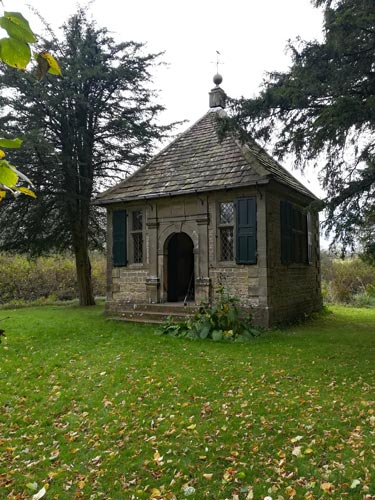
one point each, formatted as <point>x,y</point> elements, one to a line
<point>83,268</point>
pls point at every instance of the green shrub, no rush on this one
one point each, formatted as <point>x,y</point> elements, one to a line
<point>220,321</point>
<point>30,280</point>
<point>349,281</point>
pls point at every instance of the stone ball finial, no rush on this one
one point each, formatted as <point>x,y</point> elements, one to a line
<point>217,79</point>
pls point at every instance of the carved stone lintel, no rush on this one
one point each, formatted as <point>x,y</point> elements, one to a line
<point>152,224</point>
<point>204,220</point>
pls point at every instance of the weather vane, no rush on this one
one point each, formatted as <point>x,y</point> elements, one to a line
<point>217,62</point>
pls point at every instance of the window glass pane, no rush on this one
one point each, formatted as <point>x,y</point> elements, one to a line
<point>227,213</point>
<point>226,243</point>
<point>138,248</point>
<point>137,220</point>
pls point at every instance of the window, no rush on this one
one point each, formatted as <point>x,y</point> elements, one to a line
<point>127,237</point>
<point>294,245</point>
<point>226,231</point>
<point>309,239</point>
<point>137,236</point>
<point>237,231</point>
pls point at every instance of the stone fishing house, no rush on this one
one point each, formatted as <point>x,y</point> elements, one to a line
<point>206,212</point>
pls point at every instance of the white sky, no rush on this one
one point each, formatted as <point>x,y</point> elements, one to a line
<point>251,36</point>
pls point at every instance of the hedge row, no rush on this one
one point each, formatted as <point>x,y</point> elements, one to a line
<point>54,277</point>
<point>350,281</point>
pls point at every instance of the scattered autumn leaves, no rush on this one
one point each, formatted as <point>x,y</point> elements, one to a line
<point>108,411</point>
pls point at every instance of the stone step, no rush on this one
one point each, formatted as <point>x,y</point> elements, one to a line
<point>151,316</point>
<point>137,320</point>
<point>166,308</point>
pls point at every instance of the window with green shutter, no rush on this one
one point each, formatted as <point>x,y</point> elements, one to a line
<point>309,239</point>
<point>119,248</point>
<point>286,222</point>
<point>293,234</point>
<point>246,242</point>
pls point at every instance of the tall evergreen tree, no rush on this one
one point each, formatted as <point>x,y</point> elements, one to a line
<point>80,132</point>
<point>323,111</point>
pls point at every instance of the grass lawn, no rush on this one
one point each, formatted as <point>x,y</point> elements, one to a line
<point>104,410</point>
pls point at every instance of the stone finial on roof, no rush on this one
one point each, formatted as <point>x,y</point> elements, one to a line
<point>217,94</point>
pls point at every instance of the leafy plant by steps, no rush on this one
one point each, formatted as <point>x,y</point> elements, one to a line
<point>219,321</point>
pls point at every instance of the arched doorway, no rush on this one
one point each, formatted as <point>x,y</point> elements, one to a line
<point>180,268</point>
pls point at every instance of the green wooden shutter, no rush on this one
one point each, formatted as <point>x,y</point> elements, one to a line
<point>246,237</point>
<point>309,238</point>
<point>286,225</point>
<point>119,251</point>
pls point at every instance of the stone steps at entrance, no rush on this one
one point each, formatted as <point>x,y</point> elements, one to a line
<point>156,313</point>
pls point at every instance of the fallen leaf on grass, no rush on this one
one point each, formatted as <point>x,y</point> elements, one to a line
<point>297,451</point>
<point>40,493</point>
<point>157,458</point>
<point>32,486</point>
<point>289,490</point>
<point>155,494</point>
<point>188,491</point>
<point>54,455</point>
<point>297,438</point>
<point>327,487</point>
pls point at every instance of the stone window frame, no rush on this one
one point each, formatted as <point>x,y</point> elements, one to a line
<point>221,227</point>
<point>133,233</point>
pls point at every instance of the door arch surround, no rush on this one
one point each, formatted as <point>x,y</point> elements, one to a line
<point>180,275</point>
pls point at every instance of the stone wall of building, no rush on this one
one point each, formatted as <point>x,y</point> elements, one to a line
<point>128,285</point>
<point>248,283</point>
<point>293,290</point>
<point>125,285</point>
<point>272,292</point>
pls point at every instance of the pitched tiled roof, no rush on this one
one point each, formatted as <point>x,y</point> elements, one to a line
<point>198,161</point>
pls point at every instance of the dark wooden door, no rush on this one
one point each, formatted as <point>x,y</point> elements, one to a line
<point>180,268</point>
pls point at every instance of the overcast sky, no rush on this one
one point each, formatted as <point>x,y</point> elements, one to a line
<point>251,36</point>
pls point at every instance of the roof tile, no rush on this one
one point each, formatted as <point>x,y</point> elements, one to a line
<point>198,161</point>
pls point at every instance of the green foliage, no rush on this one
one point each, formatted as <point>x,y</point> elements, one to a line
<point>9,175</point>
<point>15,52</point>
<point>44,280</point>
<point>17,27</point>
<point>220,321</point>
<point>349,281</point>
<point>99,409</point>
<point>323,108</point>
<point>367,236</point>
<point>10,143</point>
<point>82,133</point>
